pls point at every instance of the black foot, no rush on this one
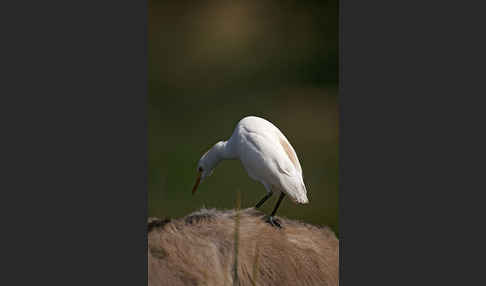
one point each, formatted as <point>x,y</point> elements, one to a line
<point>273,221</point>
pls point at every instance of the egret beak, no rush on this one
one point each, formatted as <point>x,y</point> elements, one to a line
<point>198,180</point>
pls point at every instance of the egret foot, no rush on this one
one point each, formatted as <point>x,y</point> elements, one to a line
<point>273,221</point>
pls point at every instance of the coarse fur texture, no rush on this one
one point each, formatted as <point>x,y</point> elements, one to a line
<point>199,250</point>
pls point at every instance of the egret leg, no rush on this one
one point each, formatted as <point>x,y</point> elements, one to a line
<point>273,221</point>
<point>260,203</point>
<point>282,195</point>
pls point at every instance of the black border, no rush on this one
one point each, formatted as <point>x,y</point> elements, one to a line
<point>407,136</point>
<point>76,154</point>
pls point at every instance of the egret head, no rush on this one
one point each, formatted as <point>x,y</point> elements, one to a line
<point>205,167</point>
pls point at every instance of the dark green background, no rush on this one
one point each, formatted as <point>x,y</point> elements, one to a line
<point>213,62</point>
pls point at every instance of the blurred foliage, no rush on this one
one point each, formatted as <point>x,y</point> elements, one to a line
<point>213,62</point>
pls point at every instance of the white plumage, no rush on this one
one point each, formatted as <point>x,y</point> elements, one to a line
<point>267,156</point>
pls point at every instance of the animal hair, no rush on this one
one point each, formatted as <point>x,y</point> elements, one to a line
<point>199,250</point>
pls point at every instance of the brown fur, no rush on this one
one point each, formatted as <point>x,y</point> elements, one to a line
<point>199,250</point>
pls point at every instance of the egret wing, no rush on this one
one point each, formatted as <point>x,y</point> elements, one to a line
<point>274,161</point>
<point>289,151</point>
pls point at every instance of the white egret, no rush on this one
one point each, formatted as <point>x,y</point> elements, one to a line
<point>267,157</point>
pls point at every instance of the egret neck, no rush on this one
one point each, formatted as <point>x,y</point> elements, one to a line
<point>219,152</point>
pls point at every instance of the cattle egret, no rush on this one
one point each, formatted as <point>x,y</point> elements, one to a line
<point>267,157</point>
